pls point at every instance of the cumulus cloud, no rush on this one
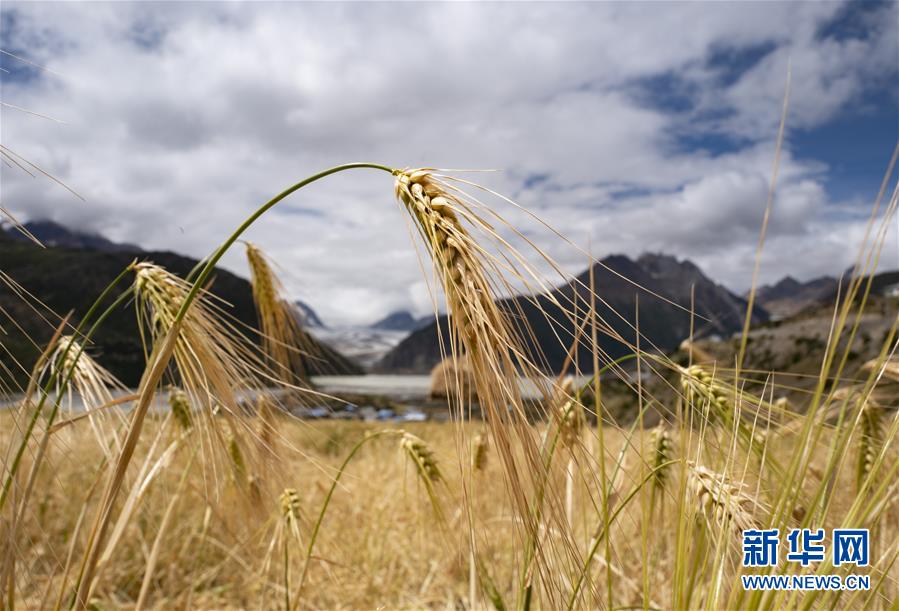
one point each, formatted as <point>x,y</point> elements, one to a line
<point>604,118</point>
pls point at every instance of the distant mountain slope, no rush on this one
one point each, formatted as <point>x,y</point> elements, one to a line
<point>50,233</point>
<point>786,354</point>
<point>789,296</point>
<point>662,324</point>
<point>364,345</point>
<point>307,316</point>
<point>69,279</point>
<point>401,320</point>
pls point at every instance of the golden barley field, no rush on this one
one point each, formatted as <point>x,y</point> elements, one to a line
<point>222,540</point>
<point>200,489</point>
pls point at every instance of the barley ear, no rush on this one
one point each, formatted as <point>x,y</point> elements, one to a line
<point>870,441</point>
<point>660,444</point>
<point>179,403</point>
<point>723,503</point>
<point>422,457</point>
<point>480,445</point>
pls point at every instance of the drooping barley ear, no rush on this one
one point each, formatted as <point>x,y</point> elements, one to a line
<point>702,389</point>
<point>724,503</point>
<point>870,440</point>
<point>422,457</point>
<point>480,445</point>
<point>284,340</point>
<point>661,446</point>
<point>485,335</point>
<point>267,426</point>
<point>889,367</point>
<point>179,403</point>
<point>426,468</point>
<point>213,360</point>
<point>472,280</point>
<point>90,381</point>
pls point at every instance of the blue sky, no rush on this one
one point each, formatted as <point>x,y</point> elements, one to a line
<point>627,126</point>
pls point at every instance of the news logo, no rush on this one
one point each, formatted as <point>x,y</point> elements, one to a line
<point>760,547</point>
<point>804,546</point>
<point>850,546</point>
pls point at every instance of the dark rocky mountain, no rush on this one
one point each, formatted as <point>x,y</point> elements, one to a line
<point>50,233</point>
<point>884,284</point>
<point>70,278</point>
<point>401,320</point>
<point>792,349</point>
<point>662,324</point>
<point>307,316</point>
<point>789,296</point>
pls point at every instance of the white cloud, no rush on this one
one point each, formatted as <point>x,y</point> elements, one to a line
<point>183,118</point>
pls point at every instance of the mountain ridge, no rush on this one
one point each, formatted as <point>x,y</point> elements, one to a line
<point>665,318</point>
<point>401,320</point>
<point>788,296</point>
<point>50,233</point>
<point>70,278</point>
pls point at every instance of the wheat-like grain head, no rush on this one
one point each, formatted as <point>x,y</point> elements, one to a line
<point>701,387</point>
<point>213,360</point>
<point>284,340</point>
<point>723,502</point>
<point>237,460</point>
<point>662,449</point>
<point>870,440</point>
<point>179,403</point>
<point>90,382</point>
<point>481,327</point>
<point>422,457</point>
<point>480,445</point>
<point>290,511</point>
<point>214,364</point>
<point>437,214</point>
<point>265,412</point>
<point>569,413</point>
<point>290,507</point>
<point>491,337</point>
